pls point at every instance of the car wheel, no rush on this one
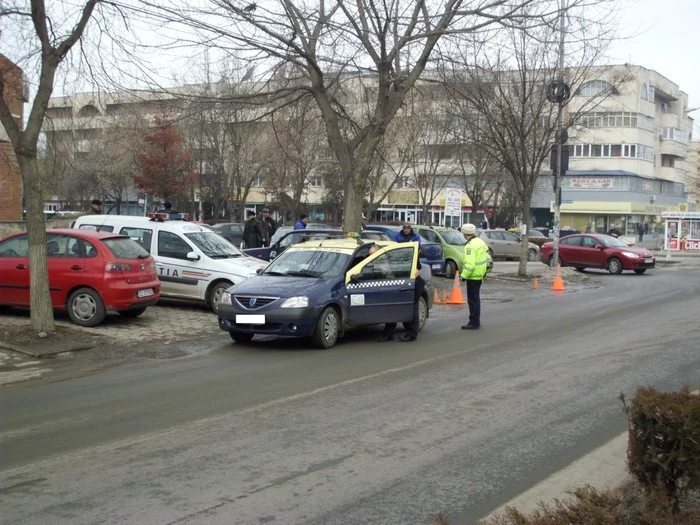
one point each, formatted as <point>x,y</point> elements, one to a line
<point>216,294</point>
<point>580,269</point>
<point>552,263</point>
<point>326,332</point>
<point>641,271</point>
<point>241,337</point>
<point>85,307</point>
<point>422,314</point>
<point>531,254</point>
<point>129,314</point>
<point>614,266</point>
<point>450,269</point>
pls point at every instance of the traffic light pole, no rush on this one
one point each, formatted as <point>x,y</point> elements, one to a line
<point>561,99</point>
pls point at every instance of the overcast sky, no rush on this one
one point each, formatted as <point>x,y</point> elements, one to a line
<point>667,40</point>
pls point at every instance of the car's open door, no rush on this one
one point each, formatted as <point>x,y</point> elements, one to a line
<point>381,288</point>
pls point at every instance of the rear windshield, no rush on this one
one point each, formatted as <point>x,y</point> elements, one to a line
<point>124,248</point>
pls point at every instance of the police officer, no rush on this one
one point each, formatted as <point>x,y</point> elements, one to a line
<point>474,266</point>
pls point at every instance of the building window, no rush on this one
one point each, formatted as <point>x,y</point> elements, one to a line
<point>645,95</point>
<point>630,151</point>
<point>315,182</point>
<point>652,94</point>
<point>617,120</point>
<point>258,182</point>
<point>596,88</point>
<point>675,134</point>
<point>403,181</point>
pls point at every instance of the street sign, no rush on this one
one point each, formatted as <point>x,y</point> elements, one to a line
<point>453,202</point>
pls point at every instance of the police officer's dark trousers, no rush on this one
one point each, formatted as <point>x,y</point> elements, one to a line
<point>474,301</point>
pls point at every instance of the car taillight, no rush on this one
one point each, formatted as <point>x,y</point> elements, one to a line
<point>118,267</point>
<point>152,264</point>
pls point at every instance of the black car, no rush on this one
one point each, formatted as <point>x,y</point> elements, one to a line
<point>231,231</point>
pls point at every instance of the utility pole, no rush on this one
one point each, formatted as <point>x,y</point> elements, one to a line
<point>559,92</point>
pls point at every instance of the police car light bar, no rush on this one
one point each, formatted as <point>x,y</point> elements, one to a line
<point>157,216</point>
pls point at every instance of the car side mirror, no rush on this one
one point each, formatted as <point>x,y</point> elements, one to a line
<point>599,246</point>
<point>259,271</point>
<point>192,256</point>
<point>355,278</point>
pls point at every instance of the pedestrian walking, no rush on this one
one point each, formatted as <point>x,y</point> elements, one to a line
<point>96,207</point>
<point>412,327</point>
<point>474,266</point>
<point>269,226</point>
<point>640,231</point>
<point>302,222</point>
<point>252,232</point>
<point>614,231</point>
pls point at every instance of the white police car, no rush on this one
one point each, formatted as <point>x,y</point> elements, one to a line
<point>192,262</point>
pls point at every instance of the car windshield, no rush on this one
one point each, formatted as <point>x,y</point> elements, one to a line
<point>612,242</point>
<point>124,248</point>
<point>453,237</point>
<point>213,245</point>
<point>321,264</point>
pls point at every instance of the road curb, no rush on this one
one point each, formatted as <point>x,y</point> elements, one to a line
<point>603,468</point>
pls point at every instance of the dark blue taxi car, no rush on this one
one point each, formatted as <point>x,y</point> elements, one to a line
<point>319,289</point>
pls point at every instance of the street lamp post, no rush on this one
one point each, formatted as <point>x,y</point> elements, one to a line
<point>559,93</point>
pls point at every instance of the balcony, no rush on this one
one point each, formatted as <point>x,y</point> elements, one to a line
<point>674,148</point>
<point>672,174</point>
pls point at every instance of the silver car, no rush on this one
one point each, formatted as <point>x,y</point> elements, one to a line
<point>506,245</point>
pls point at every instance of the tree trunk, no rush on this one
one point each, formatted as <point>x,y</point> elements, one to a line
<point>352,202</point>
<point>527,221</point>
<point>119,207</point>
<point>41,310</point>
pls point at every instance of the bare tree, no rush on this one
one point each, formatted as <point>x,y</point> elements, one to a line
<point>501,97</point>
<point>49,41</point>
<point>294,160</point>
<point>357,60</point>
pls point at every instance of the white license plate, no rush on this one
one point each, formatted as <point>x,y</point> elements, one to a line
<point>436,266</point>
<point>250,319</point>
<point>145,293</point>
<point>648,261</point>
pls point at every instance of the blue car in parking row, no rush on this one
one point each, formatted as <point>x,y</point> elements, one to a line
<point>431,252</point>
<point>320,289</point>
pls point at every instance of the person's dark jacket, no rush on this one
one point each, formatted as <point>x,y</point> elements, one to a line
<point>614,232</point>
<point>411,237</point>
<point>253,234</point>
<point>269,227</point>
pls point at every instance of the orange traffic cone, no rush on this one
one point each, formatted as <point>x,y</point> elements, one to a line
<point>444,297</point>
<point>436,297</point>
<point>536,284</point>
<point>558,284</point>
<point>456,294</point>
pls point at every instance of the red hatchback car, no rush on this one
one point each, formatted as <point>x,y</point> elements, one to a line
<point>598,251</point>
<point>90,273</point>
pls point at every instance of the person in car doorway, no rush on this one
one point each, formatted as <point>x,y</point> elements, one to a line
<point>412,327</point>
<point>302,222</point>
<point>269,226</point>
<point>474,266</point>
<point>252,232</point>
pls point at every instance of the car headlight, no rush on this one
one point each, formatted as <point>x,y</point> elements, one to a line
<point>630,255</point>
<point>296,302</point>
<point>226,299</point>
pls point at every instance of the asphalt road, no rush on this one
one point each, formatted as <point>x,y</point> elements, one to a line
<point>275,433</point>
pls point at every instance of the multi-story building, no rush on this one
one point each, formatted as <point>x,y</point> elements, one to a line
<point>14,96</point>
<point>628,152</point>
<point>629,144</point>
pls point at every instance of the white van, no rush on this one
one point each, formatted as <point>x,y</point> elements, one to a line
<point>192,261</point>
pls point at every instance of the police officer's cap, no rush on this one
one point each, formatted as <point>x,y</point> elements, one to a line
<point>468,229</point>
